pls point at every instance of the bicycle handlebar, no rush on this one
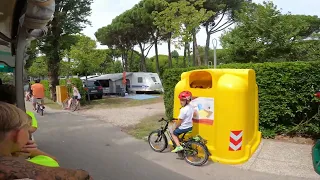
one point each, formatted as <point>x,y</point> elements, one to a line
<point>162,119</point>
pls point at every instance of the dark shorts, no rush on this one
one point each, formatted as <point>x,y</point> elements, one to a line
<point>74,97</point>
<point>178,131</point>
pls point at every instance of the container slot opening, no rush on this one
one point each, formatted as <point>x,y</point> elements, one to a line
<point>200,79</point>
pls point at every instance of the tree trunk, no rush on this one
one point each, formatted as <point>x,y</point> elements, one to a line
<point>87,87</point>
<point>131,61</point>
<point>53,67</point>
<point>69,72</point>
<point>169,52</point>
<point>185,55</point>
<point>125,60</point>
<point>157,55</point>
<point>207,48</point>
<point>143,66</point>
<point>189,55</point>
<point>196,57</point>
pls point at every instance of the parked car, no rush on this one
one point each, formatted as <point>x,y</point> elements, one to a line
<point>93,88</point>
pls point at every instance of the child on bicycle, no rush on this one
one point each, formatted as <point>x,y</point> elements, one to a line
<point>184,123</point>
<point>75,95</point>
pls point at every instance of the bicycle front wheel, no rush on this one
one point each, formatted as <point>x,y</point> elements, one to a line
<point>196,153</point>
<point>74,105</point>
<point>157,141</point>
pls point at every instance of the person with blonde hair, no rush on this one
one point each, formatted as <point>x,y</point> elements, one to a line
<point>14,141</point>
<point>14,138</point>
<point>14,129</point>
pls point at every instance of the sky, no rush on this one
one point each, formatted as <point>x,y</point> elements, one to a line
<point>103,11</point>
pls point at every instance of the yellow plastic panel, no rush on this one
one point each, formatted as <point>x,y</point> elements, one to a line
<point>62,94</point>
<point>226,104</point>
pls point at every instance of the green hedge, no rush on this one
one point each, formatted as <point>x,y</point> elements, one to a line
<point>285,95</point>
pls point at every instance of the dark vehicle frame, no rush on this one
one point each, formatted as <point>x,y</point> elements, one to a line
<point>93,89</point>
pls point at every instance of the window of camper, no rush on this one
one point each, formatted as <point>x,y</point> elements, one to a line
<point>140,80</point>
<point>104,83</point>
<point>200,79</point>
<point>154,79</point>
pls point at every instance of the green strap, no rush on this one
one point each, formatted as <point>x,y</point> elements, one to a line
<point>44,161</point>
<point>34,119</point>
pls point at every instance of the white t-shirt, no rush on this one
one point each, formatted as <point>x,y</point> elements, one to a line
<point>186,115</point>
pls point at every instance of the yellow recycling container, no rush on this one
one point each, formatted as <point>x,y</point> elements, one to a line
<point>226,101</point>
<point>62,93</point>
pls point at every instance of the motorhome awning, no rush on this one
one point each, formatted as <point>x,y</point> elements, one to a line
<point>112,77</point>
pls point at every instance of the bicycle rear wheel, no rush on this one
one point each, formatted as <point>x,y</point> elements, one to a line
<point>41,111</point>
<point>74,105</point>
<point>195,151</point>
<point>159,137</point>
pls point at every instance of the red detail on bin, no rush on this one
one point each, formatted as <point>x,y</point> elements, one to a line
<point>203,121</point>
<point>235,140</point>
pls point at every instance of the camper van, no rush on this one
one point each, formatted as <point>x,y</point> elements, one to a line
<point>136,82</point>
<point>88,77</point>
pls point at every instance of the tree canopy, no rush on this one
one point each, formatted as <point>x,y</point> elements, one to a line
<point>262,34</point>
<point>86,58</point>
<point>70,18</point>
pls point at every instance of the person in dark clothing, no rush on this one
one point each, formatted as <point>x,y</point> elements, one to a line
<point>6,94</point>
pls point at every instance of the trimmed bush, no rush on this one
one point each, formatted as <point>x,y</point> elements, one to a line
<point>285,95</point>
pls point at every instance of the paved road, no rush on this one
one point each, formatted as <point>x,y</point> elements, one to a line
<point>109,154</point>
<point>97,147</point>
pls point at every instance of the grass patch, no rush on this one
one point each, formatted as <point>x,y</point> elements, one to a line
<point>108,102</point>
<point>116,102</point>
<point>51,104</point>
<point>145,126</point>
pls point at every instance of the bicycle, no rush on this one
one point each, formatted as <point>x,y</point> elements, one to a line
<point>187,144</point>
<point>39,107</point>
<point>75,104</point>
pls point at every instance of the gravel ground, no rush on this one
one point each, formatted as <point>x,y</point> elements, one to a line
<point>124,117</point>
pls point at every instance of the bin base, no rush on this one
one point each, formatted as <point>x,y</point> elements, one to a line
<point>250,149</point>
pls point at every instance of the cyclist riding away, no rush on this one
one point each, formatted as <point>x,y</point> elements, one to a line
<point>184,123</point>
<point>37,93</point>
<point>75,95</point>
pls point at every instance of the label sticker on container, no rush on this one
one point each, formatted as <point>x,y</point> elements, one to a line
<point>203,110</point>
<point>235,140</point>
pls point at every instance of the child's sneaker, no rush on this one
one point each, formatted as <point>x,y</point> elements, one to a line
<point>177,149</point>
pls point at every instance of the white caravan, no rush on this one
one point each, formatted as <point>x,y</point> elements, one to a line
<point>136,82</point>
